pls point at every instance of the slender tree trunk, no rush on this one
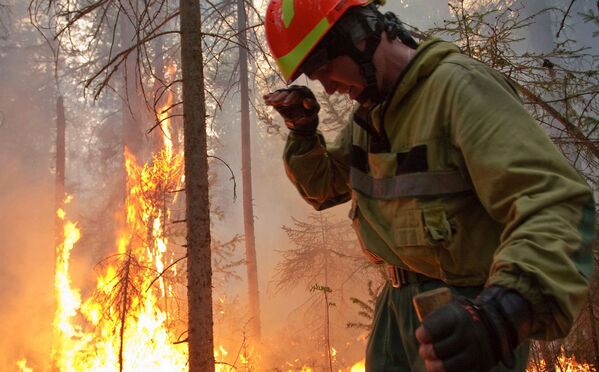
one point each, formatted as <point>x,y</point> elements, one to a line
<point>130,135</point>
<point>59,189</point>
<point>59,198</point>
<point>124,308</point>
<point>131,105</point>
<point>199,270</point>
<point>593,320</point>
<point>246,175</point>
<point>327,329</point>
<point>327,321</point>
<point>158,66</point>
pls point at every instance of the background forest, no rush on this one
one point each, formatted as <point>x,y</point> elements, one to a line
<point>135,238</point>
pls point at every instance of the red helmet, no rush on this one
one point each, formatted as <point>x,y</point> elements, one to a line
<point>294,27</point>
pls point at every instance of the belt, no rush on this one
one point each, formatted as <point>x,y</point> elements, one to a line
<point>399,277</point>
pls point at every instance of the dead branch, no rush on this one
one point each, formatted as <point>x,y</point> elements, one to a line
<point>232,175</point>
<point>563,22</point>
<point>164,271</point>
<point>570,128</point>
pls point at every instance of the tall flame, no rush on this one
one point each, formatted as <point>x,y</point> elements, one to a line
<point>68,300</point>
<point>125,325</point>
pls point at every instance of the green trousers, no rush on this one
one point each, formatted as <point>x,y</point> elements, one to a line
<point>392,345</point>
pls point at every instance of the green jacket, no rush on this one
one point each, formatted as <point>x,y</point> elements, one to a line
<point>460,184</point>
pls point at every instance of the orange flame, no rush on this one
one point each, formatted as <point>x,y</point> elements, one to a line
<point>22,364</point>
<point>359,366</point>
<point>68,300</point>
<point>125,322</point>
<point>566,364</point>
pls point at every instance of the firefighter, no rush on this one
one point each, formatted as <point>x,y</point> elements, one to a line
<point>451,183</point>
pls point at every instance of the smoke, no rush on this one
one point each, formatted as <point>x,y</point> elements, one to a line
<point>27,119</point>
<point>26,250</point>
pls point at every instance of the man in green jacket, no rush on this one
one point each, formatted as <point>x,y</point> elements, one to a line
<point>452,184</point>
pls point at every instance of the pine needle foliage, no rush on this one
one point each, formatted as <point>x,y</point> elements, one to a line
<point>325,251</point>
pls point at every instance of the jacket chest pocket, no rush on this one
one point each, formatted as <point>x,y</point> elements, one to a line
<point>407,229</point>
<point>417,227</point>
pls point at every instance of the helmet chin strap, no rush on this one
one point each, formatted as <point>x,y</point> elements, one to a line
<point>371,92</point>
<point>364,59</point>
<point>373,25</point>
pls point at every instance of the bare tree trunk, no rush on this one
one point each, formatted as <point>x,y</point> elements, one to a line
<point>327,320</point>
<point>131,105</point>
<point>199,270</point>
<point>124,308</point>
<point>59,189</point>
<point>130,133</point>
<point>593,320</point>
<point>246,176</point>
<point>59,198</point>
<point>159,95</point>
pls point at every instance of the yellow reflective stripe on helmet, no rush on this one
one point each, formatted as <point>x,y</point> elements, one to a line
<point>287,12</point>
<point>289,62</point>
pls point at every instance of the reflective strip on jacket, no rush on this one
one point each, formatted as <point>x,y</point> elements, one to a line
<point>461,185</point>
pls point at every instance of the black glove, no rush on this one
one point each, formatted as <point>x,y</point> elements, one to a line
<point>298,107</point>
<point>476,335</point>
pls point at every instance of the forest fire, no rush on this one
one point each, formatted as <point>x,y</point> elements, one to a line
<point>129,323</point>
<point>125,325</point>
<point>562,363</point>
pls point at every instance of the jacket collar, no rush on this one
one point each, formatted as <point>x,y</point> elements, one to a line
<point>428,56</point>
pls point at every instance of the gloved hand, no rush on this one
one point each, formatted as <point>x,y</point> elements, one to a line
<point>468,335</point>
<point>298,107</point>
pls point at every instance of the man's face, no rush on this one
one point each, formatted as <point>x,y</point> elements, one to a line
<point>340,75</point>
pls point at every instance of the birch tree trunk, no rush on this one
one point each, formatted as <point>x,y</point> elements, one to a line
<point>199,270</point>
<point>246,176</point>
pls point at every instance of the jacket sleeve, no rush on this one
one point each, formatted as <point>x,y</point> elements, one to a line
<point>320,172</point>
<point>524,183</point>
